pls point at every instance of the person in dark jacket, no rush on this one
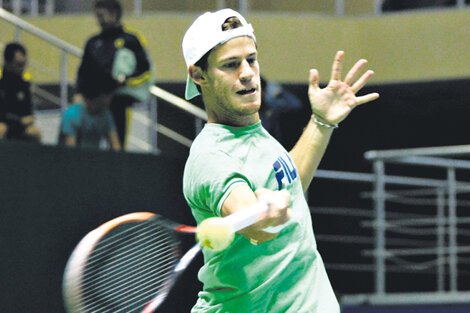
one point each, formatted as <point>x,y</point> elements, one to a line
<point>16,109</point>
<point>119,52</point>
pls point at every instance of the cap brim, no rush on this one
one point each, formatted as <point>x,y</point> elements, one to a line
<point>191,89</point>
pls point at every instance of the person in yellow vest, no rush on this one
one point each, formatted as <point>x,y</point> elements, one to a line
<point>119,52</point>
<point>16,109</point>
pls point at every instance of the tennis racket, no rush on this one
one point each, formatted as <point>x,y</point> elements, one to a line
<point>130,263</point>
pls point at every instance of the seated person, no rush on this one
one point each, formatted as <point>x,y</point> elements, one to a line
<point>87,124</point>
<point>16,117</point>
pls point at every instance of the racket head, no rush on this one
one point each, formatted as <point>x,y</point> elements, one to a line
<point>121,265</point>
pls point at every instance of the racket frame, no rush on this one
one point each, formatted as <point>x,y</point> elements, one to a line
<point>74,269</point>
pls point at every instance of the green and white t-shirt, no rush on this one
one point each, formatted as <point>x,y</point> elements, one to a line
<point>283,275</point>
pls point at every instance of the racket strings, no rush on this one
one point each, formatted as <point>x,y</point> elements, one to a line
<point>137,296</point>
<point>108,275</point>
<point>131,249</point>
<point>111,284</point>
<point>113,287</point>
<point>128,268</point>
<point>147,292</point>
<point>125,235</point>
<point>133,285</point>
<point>133,280</point>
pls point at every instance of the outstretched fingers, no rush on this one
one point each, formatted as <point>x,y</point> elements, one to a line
<point>337,66</point>
<point>314,79</point>
<point>362,81</point>
<point>359,84</point>
<point>366,98</point>
<point>354,70</point>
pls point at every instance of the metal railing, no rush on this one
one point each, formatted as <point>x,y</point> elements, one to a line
<point>200,116</point>
<point>419,219</point>
<point>438,200</point>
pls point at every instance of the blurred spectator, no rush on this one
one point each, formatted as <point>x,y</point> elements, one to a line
<point>275,101</point>
<point>119,52</point>
<point>87,124</point>
<point>16,115</point>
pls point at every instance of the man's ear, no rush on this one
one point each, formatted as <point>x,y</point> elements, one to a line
<point>197,75</point>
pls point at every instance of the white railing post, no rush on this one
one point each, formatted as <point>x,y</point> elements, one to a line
<point>378,7</point>
<point>17,34</point>
<point>339,6</point>
<point>138,7</point>
<point>243,5</point>
<point>440,202</point>
<point>221,4</point>
<point>379,201</point>
<point>17,7</point>
<point>50,8</point>
<point>153,134</point>
<point>452,203</point>
<point>63,80</point>
<point>34,10</point>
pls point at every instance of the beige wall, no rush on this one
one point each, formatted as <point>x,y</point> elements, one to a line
<point>399,47</point>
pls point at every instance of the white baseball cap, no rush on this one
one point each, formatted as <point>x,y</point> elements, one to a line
<point>206,33</point>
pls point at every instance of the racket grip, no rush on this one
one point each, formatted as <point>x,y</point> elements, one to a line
<point>248,216</point>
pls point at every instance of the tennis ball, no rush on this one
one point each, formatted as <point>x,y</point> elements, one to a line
<point>215,234</point>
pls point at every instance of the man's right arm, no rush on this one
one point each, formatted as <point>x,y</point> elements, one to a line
<point>242,197</point>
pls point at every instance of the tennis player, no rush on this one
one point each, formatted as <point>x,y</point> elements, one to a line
<point>273,266</point>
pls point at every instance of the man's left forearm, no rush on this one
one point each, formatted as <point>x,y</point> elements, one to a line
<point>309,150</point>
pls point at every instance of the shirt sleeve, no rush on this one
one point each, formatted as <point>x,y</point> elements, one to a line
<point>69,125</point>
<point>208,180</point>
<point>83,68</point>
<point>143,64</point>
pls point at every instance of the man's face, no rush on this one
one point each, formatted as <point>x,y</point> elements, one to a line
<point>105,18</point>
<point>18,64</point>
<point>233,83</point>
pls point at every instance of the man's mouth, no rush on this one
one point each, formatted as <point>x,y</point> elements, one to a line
<point>246,91</point>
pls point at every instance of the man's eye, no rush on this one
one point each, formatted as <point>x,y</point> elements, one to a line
<point>231,65</point>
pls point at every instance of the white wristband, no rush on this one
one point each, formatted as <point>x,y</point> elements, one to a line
<point>315,120</point>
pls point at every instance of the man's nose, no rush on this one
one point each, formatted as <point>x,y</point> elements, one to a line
<point>246,71</point>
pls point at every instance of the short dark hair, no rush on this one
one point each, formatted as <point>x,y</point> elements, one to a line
<point>230,23</point>
<point>10,50</point>
<point>110,5</point>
